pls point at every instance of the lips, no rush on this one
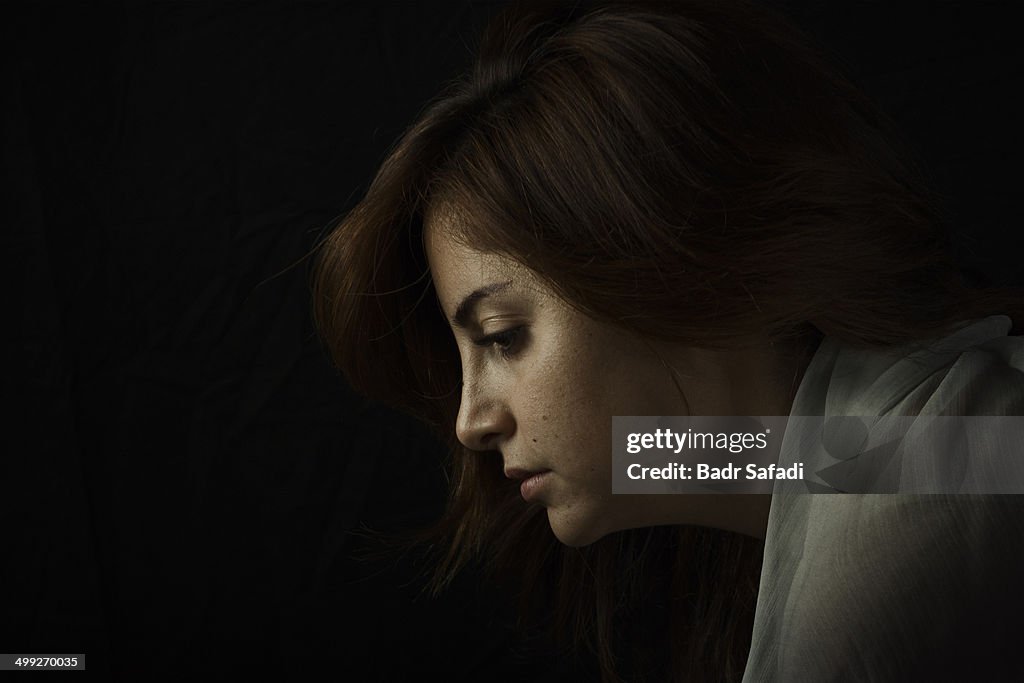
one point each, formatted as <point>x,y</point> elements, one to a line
<point>531,481</point>
<point>519,473</point>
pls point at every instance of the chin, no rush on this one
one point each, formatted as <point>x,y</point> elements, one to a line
<point>575,531</point>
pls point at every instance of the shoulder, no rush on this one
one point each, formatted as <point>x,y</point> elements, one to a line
<point>890,588</point>
<point>978,369</point>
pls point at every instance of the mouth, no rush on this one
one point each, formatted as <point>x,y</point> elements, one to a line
<point>532,481</point>
<point>519,473</point>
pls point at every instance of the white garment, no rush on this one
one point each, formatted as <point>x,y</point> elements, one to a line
<point>897,587</point>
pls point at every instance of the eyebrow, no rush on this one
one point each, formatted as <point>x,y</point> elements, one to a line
<point>465,309</point>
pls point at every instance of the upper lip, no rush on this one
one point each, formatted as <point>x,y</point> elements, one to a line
<point>519,473</point>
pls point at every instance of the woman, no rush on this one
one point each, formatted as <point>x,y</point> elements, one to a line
<point>658,209</point>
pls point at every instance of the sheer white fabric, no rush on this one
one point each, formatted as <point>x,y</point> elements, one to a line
<point>897,587</point>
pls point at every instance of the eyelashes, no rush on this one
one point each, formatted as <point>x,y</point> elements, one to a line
<point>507,342</point>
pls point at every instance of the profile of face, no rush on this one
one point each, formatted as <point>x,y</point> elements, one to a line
<point>541,382</point>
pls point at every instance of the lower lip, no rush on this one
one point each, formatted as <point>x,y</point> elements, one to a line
<point>530,488</point>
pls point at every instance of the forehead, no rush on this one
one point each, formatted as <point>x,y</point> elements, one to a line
<point>458,268</point>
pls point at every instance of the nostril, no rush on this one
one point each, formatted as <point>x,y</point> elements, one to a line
<point>488,441</point>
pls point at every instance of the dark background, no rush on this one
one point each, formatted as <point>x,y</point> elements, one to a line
<point>182,467</point>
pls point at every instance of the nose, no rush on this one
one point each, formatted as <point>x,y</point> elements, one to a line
<point>483,422</point>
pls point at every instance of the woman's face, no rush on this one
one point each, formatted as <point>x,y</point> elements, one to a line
<point>541,383</point>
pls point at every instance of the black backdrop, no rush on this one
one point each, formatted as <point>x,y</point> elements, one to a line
<point>182,466</point>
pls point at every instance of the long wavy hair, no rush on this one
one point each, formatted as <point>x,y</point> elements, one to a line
<point>691,171</point>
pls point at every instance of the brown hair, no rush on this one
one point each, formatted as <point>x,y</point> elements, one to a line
<point>691,171</point>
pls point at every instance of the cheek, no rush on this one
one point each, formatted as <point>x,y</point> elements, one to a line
<point>568,391</point>
<point>568,419</point>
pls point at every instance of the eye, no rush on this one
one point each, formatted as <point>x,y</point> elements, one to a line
<point>507,342</point>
